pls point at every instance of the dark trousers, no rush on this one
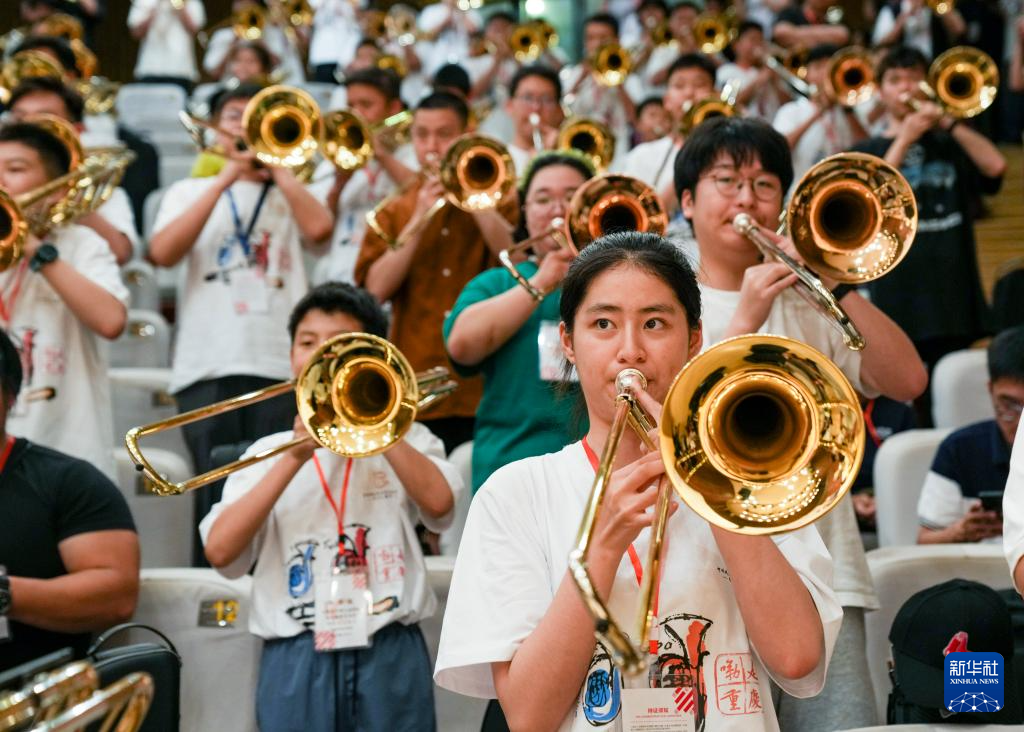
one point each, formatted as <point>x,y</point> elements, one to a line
<point>453,431</point>
<point>494,718</point>
<point>325,73</point>
<point>185,84</point>
<point>240,425</point>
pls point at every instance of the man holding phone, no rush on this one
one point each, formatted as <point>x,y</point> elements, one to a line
<point>962,495</point>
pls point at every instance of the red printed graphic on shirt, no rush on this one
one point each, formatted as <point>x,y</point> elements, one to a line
<point>682,649</point>
<point>388,564</point>
<point>736,684</point>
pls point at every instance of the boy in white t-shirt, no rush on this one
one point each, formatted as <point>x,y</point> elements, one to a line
<point>166,36</point>
<point>239,234</point>
<point>535,92</point>
<point>310,521</point>
<point>735,165</point>
<point>286,46</point>
<point>447,28</point>
<point>56,303</point>
<point>760,91</point>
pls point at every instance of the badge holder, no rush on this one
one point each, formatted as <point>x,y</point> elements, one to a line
<point>342,607</point>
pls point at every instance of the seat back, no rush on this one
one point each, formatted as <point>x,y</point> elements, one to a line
<point>164,523</point>
<point>207,618</point>
<point>143,106</point>
<point>145,343</point>
<point>140,397</point>
<point>960,389</point>
<point>462,459</point>
<point>320,91</point>
<point>140,278</point>
<point>900,572</point>
<point>901,465</point>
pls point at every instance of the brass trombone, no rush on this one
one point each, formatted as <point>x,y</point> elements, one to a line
<point>400,25</point>
<point>357,396</point>
<point>122,707</point>
<point>590,137</point>
<point>849,80</point>
<point>611,64</point>
<point>477,173</point>
<point>963,80</point>
<point>852,218</point>
<point>348,139</point>
<point>602,205</point>
<point>713,33</point>
<point>759,435</point>
<point>26,65</point>
<point>715,105</point>
<point>526,42</point>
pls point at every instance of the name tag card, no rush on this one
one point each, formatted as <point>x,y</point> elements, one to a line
<point>655,710</point>
<point>342,615</point>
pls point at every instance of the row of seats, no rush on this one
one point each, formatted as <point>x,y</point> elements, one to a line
<point>186,604</point>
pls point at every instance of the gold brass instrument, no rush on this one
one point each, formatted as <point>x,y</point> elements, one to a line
<point>86,62</point>
<point>590,137</point>
<point>963,80</point>
<point>400,25</point>
<point>527,42</point>
<point>759,435</point>
<point>348,139</point>
<point>121,706</point>
<point>714,105</point>
<point>850,79</point>
<point>63,131</point>
<point>477,173</point>
<point>941,7</point>
<point>611,64</point>
<point>247,24</point>
<point>357,396</point>
<point>556,231</point>
<point>26,65</point>
<point>60,25</point>
<point>393,63</point>
<point>713,33</point>
<point>295,13</point>
<point>47,696</point>
<point>548,34</point>
<point>374,24</point>
<point>852,218</point>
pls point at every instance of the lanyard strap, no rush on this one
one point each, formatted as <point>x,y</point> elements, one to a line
<point>869,422</point>
<point>7,452</point>
<point>10,294</point>
<point>243,235</point>
<point>634,558</point>
<point>339,508</point>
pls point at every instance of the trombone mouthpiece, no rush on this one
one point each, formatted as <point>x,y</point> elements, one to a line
<point>557,223</point>
<point>743,223</point>
<point>534,119</point>
<point>629,381</point>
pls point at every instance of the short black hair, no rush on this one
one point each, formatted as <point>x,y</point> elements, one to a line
<point>1006,355</point>
<point>901,57</point>
<point>604,19</point>
<point>659,101</point>
<point>260,49</point>
<point>452,76</point>
<point>539,70</point>
<point>383,80</point>
<point>55,157</point>
<point>822,51</point>
<point>744,139</point>
<point>694,60</point>
<point>242,91</point>
<point>438,99</point>
<point>57,46</point>
<point>364,41</point>
<point>10,367</point>
<point>48,85</point>
<point>650,252</point>
<point>341,297</point>
<point>748,25</point>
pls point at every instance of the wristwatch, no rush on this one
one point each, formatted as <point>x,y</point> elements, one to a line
<point>5,592</point>
<point>842,290</point>
<point>45,254</point>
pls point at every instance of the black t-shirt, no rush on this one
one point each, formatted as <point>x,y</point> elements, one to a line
<point>935,292</point>
<point>45,498</point>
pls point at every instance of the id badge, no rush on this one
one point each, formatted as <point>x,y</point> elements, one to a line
<point>656,710</point>
<point>549,348</point>
<point>342,608</point>
<point>249,291</point>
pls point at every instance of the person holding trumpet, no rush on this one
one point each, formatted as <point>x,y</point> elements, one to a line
<point>516,627</point>
<point>166,31</point>
<point>318,529</point>
<point>421,261</point>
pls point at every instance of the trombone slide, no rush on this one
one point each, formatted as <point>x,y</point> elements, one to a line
<point>555,231</point>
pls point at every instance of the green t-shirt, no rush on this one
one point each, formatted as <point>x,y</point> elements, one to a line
<point>520,414</point>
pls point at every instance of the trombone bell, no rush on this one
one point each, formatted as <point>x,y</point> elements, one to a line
<point>965,80</point>
<point>614,203</point>
<point>282,126</point>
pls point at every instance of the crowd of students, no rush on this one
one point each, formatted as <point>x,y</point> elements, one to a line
<point>273,265</point>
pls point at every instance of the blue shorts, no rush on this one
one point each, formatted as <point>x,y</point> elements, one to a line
<point>386,687</point>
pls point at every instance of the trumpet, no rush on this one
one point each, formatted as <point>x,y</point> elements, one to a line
<point>348,139</point>
<point>963,80</point>
<point>611,64</point>
<point>356,396</point>
<point>590,137</point>
<point>852,218</point>
<point>602,205</point>
<point>759,435</point>
<point>477,173</point>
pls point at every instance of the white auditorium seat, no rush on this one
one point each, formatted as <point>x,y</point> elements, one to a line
<point>139,277</point>
<point>175,167</point>
<point>902,571</point>
<point>462,459</point>
<point>143,106</point>
<point>145,342</point>
<point>901,465</point>
<point>164,523</point>
<point>960,389</point>
<point>320,91</point>
<point>140,396</point>
<point>454,711</point>
<point>207,618</point>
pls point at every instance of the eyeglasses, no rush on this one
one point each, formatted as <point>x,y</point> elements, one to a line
<point>531,100</point>
<point>1007,411</point>
<point>765,187</point>
<point>543,200</point>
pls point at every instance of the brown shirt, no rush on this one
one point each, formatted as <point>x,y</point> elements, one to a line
<point>451,252</point>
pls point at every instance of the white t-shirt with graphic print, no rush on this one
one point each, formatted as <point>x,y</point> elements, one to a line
<point>299,539</point>
<point>514,554</point>
<point>233,306</point>
<point>61,354</point>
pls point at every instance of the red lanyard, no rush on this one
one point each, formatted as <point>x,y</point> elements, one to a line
<point>6,453</point>
<point>339,508</point>
<point>634,558</point>
<point>870,423</point>
<point>10,295</point>
<point>371,180</point>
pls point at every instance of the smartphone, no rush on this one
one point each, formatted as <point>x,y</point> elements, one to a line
<point>992,501</point>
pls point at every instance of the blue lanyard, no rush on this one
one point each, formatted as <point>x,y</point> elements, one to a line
<point>243,235</point>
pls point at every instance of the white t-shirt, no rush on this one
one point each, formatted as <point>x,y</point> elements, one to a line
<point>233,307</point>
<point>336,32</point>
<point>514,554</point>
<point>597,101</point>
<point>274,38</point>
<point>1013,506</point>
<point>942,503</point>
<point>58,352</point>
<point>452,45</point>
<point>917,31</point>
<point>652,162</point>
<point>765,102</point>
<point>166,50</point>
<point>791,316</point>
<point>119,214</point>
<point>828,135</point>
<point>299,539</point>
<point>364,190</point>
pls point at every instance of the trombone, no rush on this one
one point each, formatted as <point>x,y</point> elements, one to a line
<point>26,65</point>
<point>600,206</point>
<point>852,218</point>
<point>714,105</point>
<point>348,139</point>
<point>759,435</point>
<point>477,173</point>
<point>357,396</point>
<point>713,33</point>
<point>611,64</point>
<point>590,137</point>
<point>849,80</point>
<point>963,80</point>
